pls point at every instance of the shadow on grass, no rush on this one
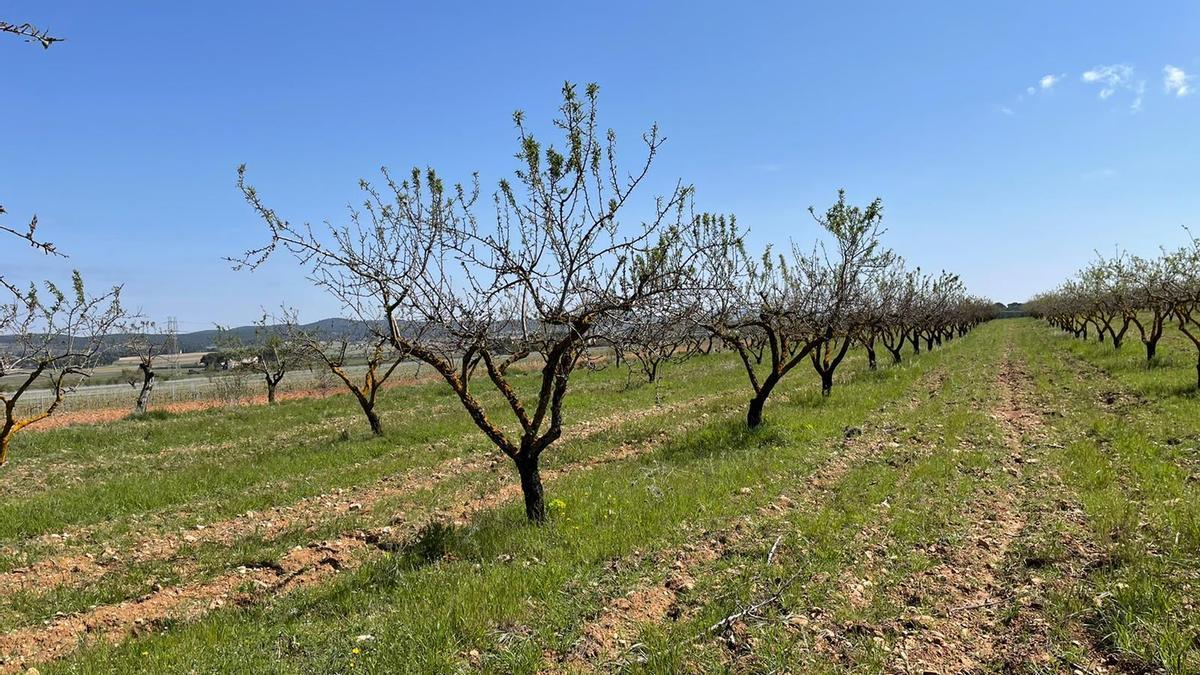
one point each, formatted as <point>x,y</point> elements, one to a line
<point>718,438</point>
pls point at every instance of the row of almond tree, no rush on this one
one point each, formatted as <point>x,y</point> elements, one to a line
<point>1113,296</point>
<point>562,272</point>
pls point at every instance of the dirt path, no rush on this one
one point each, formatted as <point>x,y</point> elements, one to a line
<point>303,566</point>
<point>965,587</point>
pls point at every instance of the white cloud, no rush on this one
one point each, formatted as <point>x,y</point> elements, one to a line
<point>1006,110</point>
<point>1175,81</point>
<point>1048,81</point>
<point>1110,78</point>
<point>1114,78</point>
<point>1030,90</point>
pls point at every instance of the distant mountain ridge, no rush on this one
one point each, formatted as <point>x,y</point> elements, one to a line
<point>205,340</point>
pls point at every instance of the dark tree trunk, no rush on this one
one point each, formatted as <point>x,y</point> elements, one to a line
<point>270,392</point>
<point>531,487</point>
<point>754,416</point>
<point>143,399</point>
<point>376,423</point>
<point>896,358</point>
<point>6,435</point>
<point>1151,349</point>
<point>827,382</point>
<point>871,358</point>
<point>368,408</point>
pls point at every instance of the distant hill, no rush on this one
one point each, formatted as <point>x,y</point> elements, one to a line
<point>1010,311</point>
<point>204,340</point>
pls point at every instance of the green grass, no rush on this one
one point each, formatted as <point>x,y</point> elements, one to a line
<point>495,594</point>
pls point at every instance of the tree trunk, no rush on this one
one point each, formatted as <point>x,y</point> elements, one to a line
<point>5,438</point>
<point>1151,349</point>
<point>754,414</point>
<point>270,392</point>
<point>143,399</point>
<point>827,382</point>
<point>871,358</point>
<point>896,358</point>
<point>531,487</point>
<point>372,417</point>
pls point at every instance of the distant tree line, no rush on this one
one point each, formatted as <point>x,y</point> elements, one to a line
<point>1125,295</point>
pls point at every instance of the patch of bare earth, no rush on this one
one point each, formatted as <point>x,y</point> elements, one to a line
<point>608,638</point>
<point>303,566</point>
<point>973,589</point>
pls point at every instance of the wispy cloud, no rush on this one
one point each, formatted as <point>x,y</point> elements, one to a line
<point>1115,78</point>
<point>1110,78</point>
<point>1175,81</point>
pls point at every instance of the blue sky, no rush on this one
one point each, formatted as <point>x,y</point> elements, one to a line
<point>125,138</point>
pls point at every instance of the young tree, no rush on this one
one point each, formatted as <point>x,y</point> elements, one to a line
<point>471,301</point>
<point>54,336</point>
<point>381,362</point>
<point>897,293</point>
<point>143,340</point>
<point>653,340</point>
<point>1148,281</point>
<point>272,354</point>
<point>846,277</point>
<point>764,310</point>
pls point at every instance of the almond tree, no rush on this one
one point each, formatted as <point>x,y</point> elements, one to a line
<point>652,340</point>
<point>1148,302</point>
<point>897,290</point>
<point>381,363</point>
<point>143,340</point>
<point>53,337</point>
<point>846,277</point>
<point>547,282</point>
<point>764,309</point>
<point>273,353</point>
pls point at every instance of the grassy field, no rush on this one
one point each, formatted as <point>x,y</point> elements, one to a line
<point>1014,501</point>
